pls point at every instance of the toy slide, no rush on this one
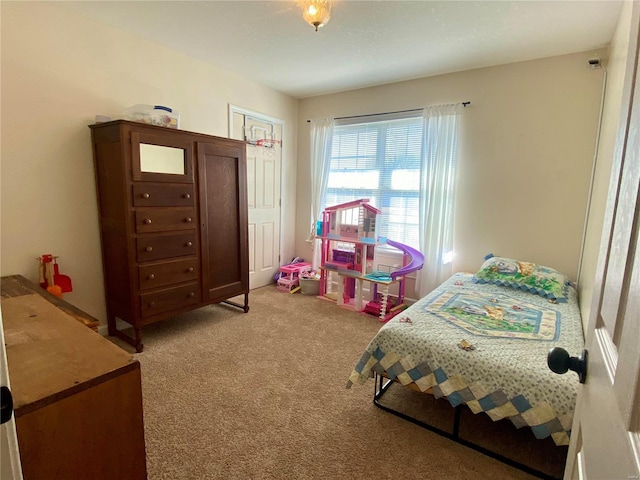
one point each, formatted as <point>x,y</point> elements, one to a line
<point>417,259</point>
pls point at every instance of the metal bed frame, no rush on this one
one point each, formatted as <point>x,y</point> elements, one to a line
<point>380,387</point>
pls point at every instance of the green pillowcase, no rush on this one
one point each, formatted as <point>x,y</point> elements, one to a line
<point>526,276</point>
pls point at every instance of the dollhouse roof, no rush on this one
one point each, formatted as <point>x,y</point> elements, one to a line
<point>363,202</point>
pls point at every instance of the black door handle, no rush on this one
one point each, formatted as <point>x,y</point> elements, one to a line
<point>559,362</point>
<point>6,404</point>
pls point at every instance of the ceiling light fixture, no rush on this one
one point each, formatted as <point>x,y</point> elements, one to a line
<point>316,12</point>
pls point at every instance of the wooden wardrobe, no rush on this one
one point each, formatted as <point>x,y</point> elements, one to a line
<point>173,222</point>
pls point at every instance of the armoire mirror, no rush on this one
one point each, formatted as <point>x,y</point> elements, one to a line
<point>162,159</point>
<point>161,155</point>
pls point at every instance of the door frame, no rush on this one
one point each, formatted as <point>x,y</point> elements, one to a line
<point>283,160</point>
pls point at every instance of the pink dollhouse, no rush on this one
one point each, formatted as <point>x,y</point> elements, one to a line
<point>349,237</point>
<point>348,241</point>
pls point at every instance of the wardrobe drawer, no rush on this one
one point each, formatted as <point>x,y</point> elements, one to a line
<point>167,273</point>
<point>169,299</point>
<point>147,194</point>
<point>156,247</point>
<point>163,219</point>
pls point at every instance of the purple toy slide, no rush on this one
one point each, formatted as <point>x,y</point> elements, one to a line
<point>417,259</point>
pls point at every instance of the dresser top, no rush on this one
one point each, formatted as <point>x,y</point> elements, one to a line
<point>51,355</point>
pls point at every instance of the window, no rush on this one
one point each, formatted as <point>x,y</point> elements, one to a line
<point>379,159</point>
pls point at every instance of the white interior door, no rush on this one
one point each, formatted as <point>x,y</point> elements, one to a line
<point>10,468</point>
<point>605,438</point>
<point>264,164</point>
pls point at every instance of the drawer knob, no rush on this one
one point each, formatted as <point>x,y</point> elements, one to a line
<point>191,295</point>
<point>148,249</point>
<point>190,269</point>
<point>145,195</point>
<point>188,219</point>
<point>152,304</point>
<point>186,195</point>
<point>147,221</point>
<point>151,276</point>
<point>189,244</point>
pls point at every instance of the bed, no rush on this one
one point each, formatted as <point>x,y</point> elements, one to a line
<point>482,341</point>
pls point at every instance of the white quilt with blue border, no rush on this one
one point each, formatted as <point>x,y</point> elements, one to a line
<point>484,346</point>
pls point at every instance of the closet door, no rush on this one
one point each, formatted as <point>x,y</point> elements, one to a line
<point>222,178</point>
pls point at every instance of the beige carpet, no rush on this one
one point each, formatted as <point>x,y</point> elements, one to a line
<point>262,395</point>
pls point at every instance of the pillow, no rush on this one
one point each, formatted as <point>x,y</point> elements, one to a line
<point>526,276</point>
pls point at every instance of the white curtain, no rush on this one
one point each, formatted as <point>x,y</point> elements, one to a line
<point>437,185</point>
<point>321,143</point>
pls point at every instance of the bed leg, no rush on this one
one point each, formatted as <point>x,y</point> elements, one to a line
<point>456,421</point>
<point>379,387</point>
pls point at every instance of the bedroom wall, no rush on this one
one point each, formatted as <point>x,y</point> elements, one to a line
<point>525,154</point>
<point>59,70</point>
<point>615,65</point>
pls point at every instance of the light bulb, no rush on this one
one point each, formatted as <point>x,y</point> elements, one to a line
<point>317,12</point>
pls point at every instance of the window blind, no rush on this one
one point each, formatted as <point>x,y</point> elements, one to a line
<point>379,158</point>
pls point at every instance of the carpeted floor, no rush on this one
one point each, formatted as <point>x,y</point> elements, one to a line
<point>262,395</point>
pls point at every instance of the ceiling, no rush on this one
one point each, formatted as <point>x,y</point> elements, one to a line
<point>365,43</point>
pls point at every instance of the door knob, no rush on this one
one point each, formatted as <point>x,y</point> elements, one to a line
<point>7,404</point>
<point>559,361</point>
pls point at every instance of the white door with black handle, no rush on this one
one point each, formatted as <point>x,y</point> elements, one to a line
<point>10,468</point>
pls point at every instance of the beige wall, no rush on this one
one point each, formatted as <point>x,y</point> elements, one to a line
<point>59,70</point>
<point>525,158</point>
<point>524,165</point>
<point>615,66</point>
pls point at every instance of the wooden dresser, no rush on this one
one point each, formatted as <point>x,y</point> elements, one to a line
<point>77,397</point>
<point>173,221</point>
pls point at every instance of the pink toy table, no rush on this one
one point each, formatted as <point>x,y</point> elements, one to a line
<point>293,269</point>
<point>289,276</point>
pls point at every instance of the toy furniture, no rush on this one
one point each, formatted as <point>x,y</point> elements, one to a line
<point>348,242</point>
<point>289,276</point>
<point>382,305</point>
<point>349,233</point>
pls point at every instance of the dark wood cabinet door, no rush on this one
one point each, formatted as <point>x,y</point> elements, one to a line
<point>223,219</point>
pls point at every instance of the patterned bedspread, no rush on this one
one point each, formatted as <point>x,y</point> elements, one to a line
<point>503,369</point>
